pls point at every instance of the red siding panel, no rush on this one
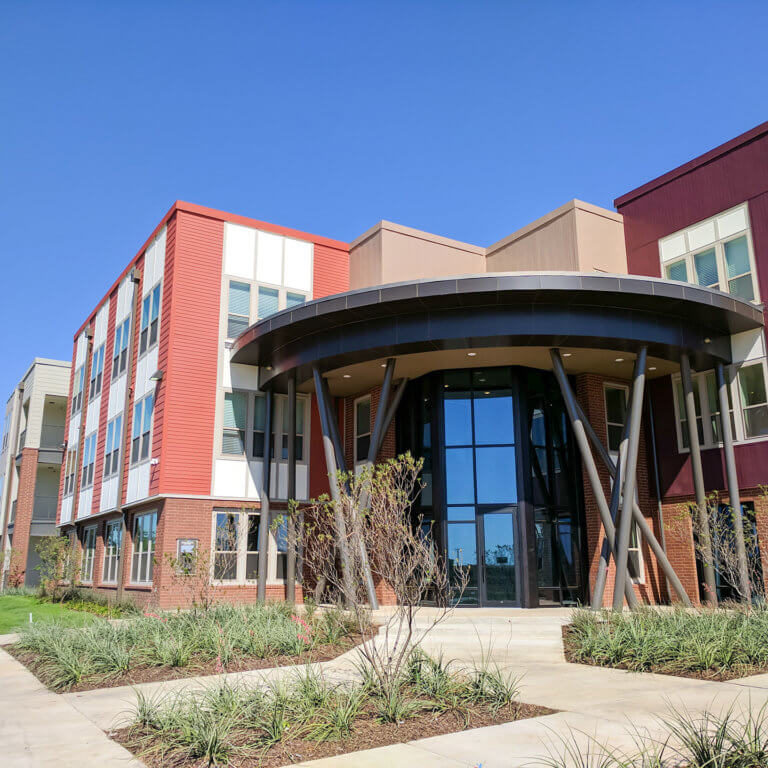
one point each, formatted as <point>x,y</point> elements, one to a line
<point>189,383</point>
<point>331,271</point>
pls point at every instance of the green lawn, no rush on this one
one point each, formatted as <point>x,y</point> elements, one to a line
<point>15,610</point>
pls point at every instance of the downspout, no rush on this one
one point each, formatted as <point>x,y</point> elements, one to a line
<point>657,483</point>
<point>135,278</point>
<point>13,441</point>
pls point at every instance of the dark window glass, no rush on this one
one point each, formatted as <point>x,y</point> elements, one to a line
<point>460,481</point>
<point>494,417</point>
<point>496,475</point>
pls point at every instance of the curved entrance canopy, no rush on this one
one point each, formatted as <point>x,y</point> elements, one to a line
<point>507,310</point>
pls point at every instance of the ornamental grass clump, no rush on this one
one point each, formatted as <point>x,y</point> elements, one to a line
<point>226,721</point>
<point>706,642</point>
<point>223,637</point>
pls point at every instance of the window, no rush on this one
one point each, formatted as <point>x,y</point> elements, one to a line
<point>112,448</point>
<point>299,443</point>
<point>281,542</point>
<point>120,351</point>
<point>69,471</point>
<point>753,400</point>
<point>236,550</point>
<point>233,440</point>
<point>150,314</point>
<point>113,539</point>
<point>89,552</point>
<point>615,414</point>
<point>362,428</point>
<point>142,429</point>
<point>269,301</point>
<point>89,458</point>
<point>239,308</point>
<point>97,370</point>
<point>77,390</point>
<point>142,559</point>
<point>615,418</point>
<point>715,253</point>
<point>294,299</point>
<point>747,403</point>
<point>259,425</point>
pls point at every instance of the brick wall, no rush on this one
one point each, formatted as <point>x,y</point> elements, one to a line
<point>590,393</point>
<point>25,502</point>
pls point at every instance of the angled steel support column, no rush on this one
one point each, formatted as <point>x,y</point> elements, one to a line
<point>698,480</point>
<point>605,549</point>
<point>332,467</point>
<point>588,460</point>
<point>381,413</point>
<point>733,483</point>
<point>640,521</point>
<point>630,480</point>
<point>290,566</point>
<point>264,521</point>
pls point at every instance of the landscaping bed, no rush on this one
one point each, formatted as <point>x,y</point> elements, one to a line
<point>306,718</point>
<point>708,644</point>
<point>168,646</point>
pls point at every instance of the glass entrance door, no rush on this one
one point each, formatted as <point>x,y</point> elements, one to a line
<point>498,579</point>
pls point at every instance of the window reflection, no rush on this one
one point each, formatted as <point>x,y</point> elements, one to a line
<point>494,418</point>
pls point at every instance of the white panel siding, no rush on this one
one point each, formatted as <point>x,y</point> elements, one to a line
<point>239,251</point>
<point>230,478</point>
<point>302,482</point>
<point>84,503</point>
<point>92,416</point>
<point>154,263</point>
<point>138,482</point>
<point>243,376</point>
<point>145,367</point>
<point>116,397</point>
<point>82,346</point>
<point>124,298</point>
<point>100,326</point>
<point>269,258</point>
<point>748,345</point>
<point>255,477</point>
<point>298,264</point>
<point>66,509</point>
<point>73,436</point>
<point>108,494</point>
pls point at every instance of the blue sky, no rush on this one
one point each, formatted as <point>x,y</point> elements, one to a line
<point>468,119</point>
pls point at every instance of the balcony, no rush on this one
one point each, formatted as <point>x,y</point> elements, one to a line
<point>44,509</point>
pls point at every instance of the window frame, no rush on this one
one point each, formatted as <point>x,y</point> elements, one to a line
<point>149,327</point>
<point>356,434</point>
<point>97,375</point>
<point>70,472</point>
<point>112,552</point>
<point>635,541</point>
<point>244,514</point>
<point>145,552</point>
<point>89,554</point>
<point>89,460</point>
<point>718,245</point>
<point>144,437</point>
<point>120,348</point>
<point>707,415</point>
<point>77,390</point>
<point>113,444</point>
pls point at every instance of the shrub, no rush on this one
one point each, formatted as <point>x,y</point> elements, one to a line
<point>678,640</point>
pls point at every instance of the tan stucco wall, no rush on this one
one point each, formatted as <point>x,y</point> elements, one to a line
<point>577,237</point>
<point>390,253</point>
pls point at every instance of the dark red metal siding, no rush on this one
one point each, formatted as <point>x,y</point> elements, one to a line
<point>736,175</point>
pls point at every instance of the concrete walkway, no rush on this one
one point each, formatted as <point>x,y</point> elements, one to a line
<point>39,728</point>
<point>611,705</point>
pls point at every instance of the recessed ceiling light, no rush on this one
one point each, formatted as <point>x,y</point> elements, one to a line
<point>652,368</point>
<point>482,380</point>
<point>487,393</point>
<point>471,354</point>
<point>347,376</point>
<point>445,385</point>
<point>383,365</point>
<point>567,354</point>
<point>619,359</point>
<point>707,340</point>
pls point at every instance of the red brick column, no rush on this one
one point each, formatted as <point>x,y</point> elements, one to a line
<point>25,502</point>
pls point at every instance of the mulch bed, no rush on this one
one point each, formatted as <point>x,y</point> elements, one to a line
<point>712,675</point>
<point>368,732</point>
<point>154,674</point>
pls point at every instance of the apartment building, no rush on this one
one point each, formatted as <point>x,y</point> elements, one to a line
<point>30,462</point>
<point>209,381</point>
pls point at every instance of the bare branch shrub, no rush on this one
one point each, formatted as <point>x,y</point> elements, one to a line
<point>720,540</point>
<point>402,559</point>
<point>59,566</point>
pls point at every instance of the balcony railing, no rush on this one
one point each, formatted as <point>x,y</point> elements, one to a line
<point>51,436</point>
<point>44,509</point>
